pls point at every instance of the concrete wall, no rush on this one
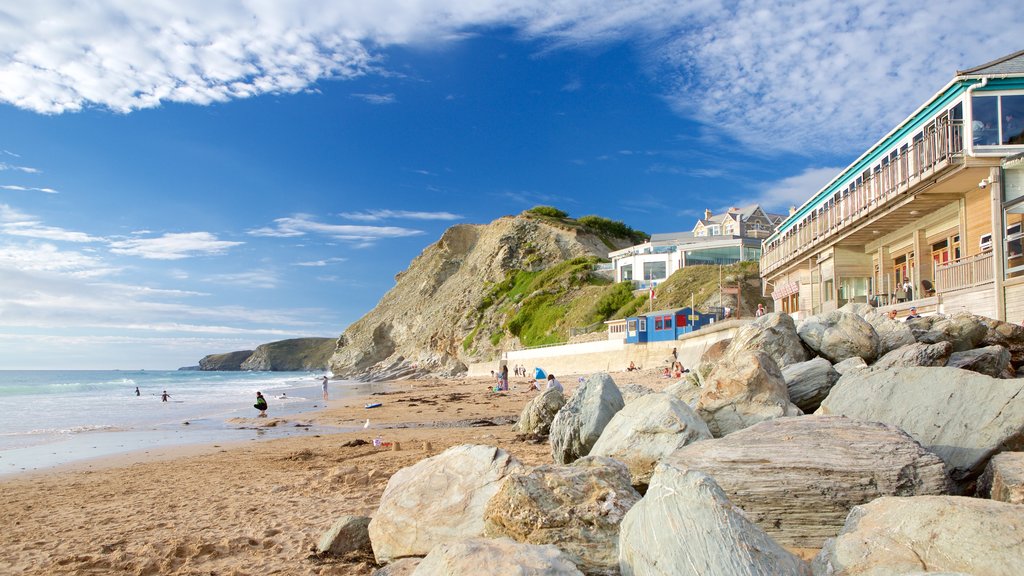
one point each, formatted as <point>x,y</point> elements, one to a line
<point>614,356</point>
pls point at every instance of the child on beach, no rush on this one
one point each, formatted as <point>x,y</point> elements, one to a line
<point>261,405</point>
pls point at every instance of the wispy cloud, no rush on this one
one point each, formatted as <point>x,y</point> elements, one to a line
<point>9,153</point>
<point>377,98</point>
<point>45,257</point>
<point>15,223</point>
<point>320,263</point>
<point>794,190</point>
<point>173,246</point>
<point>27,189</point>
<point>265,279</point>
<point>25,169</point>
<point>773,74</point>
<point>302,224</point>
<point>377,215</point>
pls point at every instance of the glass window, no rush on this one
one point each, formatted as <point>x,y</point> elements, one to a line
<point>1013,119</point>
<point>985,122</point>
<point>627,272</point>
<point>654,270</point>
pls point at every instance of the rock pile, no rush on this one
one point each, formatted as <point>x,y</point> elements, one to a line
<point>731,478</point>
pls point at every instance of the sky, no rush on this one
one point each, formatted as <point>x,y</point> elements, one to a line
<point>180,178</point>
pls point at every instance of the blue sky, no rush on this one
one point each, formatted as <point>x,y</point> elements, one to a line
<point>184,178</point>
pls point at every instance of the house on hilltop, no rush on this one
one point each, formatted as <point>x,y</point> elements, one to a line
<point>726,238</point>
<point>936,204</point>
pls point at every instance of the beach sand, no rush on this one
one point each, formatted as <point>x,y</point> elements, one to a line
<point>256,507</point>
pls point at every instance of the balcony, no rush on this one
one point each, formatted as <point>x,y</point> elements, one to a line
<point>938,148</point>
<point>963,273</point>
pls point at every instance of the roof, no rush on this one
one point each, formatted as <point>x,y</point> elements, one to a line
<point>1011,64</point>
<point>666,312</point>
<point>669,236</point>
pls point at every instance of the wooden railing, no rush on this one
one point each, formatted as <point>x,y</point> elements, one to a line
<point>941,141</point>
<point>963,273</point>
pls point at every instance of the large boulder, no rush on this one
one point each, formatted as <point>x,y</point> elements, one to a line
<point>1003,479</point>
<point>685,525</point>
<point>500,557</point>
<point>992,360</point>
<point>892,334</point>
<point>963,330</point>
<point>347,534</point>
<point>580,422</point>
<point>808,382</point>
<point>916,354</point>
<point>1011,336</point>
<point>927,534</point>
<point>775,335</point>
<point>647,430</point>
<point>839,335</point>
<point>850,365</point>
<point>577,507</point>
<point>797,478</point>
<point>437,500</point>
<point>539,413</point>
<point>744,389</point>
<point>631,392</point>
<point>961,416</point>
<point>685,390</point>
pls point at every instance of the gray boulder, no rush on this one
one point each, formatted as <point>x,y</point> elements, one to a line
<point>580,422</point>
<point>1010,336</point>
<point>539,413</point>
<point>773,334</point>
<point>916,354</point>
<point>808,382</point>
<point>744,389</point>
<point>685,525</point>
<point>437,500</point>
<point>797,478</point>
<point>500,557</point>
<point>945,534</point>
<point>577,507</point>
<point>961,416</point>
<point>992,360</point>
<point>348,534</point>
<point>400,567</point>
<point>631,392</point>
<point>647,430</point>
<point>1003,479</point>
<point>892,334</point>
<point>849,365</point>
<point>839,335</point>
<point>964,331</point>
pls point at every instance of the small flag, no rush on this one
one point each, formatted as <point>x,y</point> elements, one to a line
<point>652,292</point>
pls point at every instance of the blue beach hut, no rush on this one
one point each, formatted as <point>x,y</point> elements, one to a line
<point>664,325</point>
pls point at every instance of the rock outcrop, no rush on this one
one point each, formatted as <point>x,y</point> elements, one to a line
<point>961,416</point>
<point>773,334</point>
<point>579,423</point>
<point>917,354</point>
<point>927,535</point>
<point>992,360</point>
<point>797,478</point>
<point>438,500</point>
<point>295,355</point>
<point>231,361</point>
<point>809,382</point>
<point>744,389</point>
<point>427,323</point>
<point>839,335</point>
<point>708,535</point>
<point>647,430</point>
<point>1003,479</point>
<point>577,507</point>
<point>347,534</point>
<point>539,413</point>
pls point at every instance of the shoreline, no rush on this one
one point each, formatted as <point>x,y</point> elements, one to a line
<point>255,506</point>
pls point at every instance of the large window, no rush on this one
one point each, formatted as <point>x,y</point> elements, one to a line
<point>627,272</point>
<point>654,270</point>
<point>998,120</point>
<point>1013,216</point>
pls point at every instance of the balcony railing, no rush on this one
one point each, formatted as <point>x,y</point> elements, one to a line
<point>940,142</point>
<point>963,273</point>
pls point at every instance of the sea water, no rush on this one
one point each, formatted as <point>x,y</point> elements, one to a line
<point>50,417</point>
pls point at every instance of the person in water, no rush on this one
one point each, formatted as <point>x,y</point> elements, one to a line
<point>261,404</point>
<point>164,396</point>
<point>137,393</point>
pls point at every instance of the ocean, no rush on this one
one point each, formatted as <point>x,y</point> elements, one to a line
<point>53,417</point>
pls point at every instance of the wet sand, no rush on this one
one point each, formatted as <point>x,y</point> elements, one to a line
<point>255,507</point>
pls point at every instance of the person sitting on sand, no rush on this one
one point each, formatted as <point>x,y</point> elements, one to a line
<point>632,367</point>
<point>666,373</point>
<point>677,369</point>
<point>261,405</point>
<point>554,383</point>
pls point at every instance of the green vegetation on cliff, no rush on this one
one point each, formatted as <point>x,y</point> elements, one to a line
<point>603,228</point>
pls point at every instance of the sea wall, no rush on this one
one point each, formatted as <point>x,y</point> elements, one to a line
<point>614,355</point>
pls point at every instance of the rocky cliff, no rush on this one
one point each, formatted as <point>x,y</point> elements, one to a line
<point>295,355</point>
<point>440,315</point>
<point>228,361</point>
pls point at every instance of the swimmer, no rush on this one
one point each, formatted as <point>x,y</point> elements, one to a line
<point>164,396</point>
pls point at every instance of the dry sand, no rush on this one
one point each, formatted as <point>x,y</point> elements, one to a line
<point>257,507</point>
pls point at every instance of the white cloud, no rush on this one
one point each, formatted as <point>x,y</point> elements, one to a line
<point>375,215</point>
<point>44,257</point>
<point>27,189</point>
<point>773,74</point>
<point>250,279</point>
<point>173,246</point>
<point>302,224</point>
<point>377,98</point>
<point>320,263</point>
<point>25,169</point>
<point>794,190</point>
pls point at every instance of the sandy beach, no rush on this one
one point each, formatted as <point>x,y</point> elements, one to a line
<point>256,507</point>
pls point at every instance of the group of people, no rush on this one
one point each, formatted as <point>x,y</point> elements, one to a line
<point>674,371</point>
<point>519,370</point>
<point>539,376</point>
<point>913,314</point>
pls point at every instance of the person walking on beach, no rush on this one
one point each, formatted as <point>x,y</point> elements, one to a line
<point>164,396</point>
<point>325,387</point>
<point>261,405</point>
